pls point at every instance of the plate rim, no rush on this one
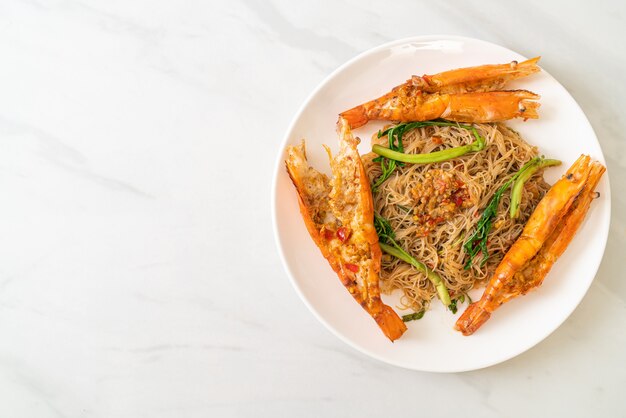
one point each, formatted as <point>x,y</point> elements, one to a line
<point>279,165</point>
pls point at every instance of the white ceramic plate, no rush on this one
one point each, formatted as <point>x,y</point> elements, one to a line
<point>431,344</point>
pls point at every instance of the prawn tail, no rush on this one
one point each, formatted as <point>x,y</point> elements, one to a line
<point>472,319</point>
<point>390,323</point>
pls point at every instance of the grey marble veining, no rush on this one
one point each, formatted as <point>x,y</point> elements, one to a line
<point>139,275</point>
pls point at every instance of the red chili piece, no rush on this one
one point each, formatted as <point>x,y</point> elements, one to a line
<point>343,234</point>
<point>352,267</point>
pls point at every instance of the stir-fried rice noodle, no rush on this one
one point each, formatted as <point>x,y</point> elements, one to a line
<point>434,208</point>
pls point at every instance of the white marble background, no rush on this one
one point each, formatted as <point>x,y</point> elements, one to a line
<point>139,276</point>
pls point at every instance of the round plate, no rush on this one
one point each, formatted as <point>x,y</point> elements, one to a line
<point>431,344</point>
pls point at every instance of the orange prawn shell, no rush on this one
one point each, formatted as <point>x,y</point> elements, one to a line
<point>366,202</point>
<point>471,94</point>
<point>544,238</point>
<point>369,296</point>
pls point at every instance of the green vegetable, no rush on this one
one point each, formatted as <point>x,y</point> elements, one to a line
<point>394,135</point>
<point>452,306</point>
<point>518,185</point>
<point>477,242</point>
<point>388,244</point>
<point>394,155</point>
<point>413,317</point>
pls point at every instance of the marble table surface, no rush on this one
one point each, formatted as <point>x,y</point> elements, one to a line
<point>139,275</point>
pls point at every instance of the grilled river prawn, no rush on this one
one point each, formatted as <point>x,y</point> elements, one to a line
<point>481,78</point>
<point>339,215</point>
<point>547,233</point>
<point>462,95</point>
